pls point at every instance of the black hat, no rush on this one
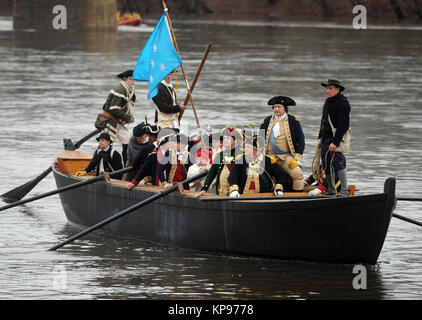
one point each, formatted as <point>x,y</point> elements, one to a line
<point>140,129</point>
<point>151,129</point>
<point>333,82</point>
<point>125,74</point>
<point>285,101</point>
<point>105,136</point>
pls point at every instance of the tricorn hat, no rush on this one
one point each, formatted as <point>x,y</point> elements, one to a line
<point>151,129</point>
<point>285,101</point>
<point>105,136</point>
<point>125,74</point>
<point>333,82</point>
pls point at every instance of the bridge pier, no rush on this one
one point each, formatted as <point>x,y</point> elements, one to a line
<point>80,15</point>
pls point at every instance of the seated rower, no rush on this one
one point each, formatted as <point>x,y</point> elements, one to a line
<point>105,158</point>
<point>174,163</point>
<point>138,140</point>
<point>141,155</point>
<point>202,163</point>
<point>223,161</point>
<point>255,172</point>
<point>147,173</point>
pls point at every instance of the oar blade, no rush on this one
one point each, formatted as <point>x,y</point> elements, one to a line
<point>19,192</point>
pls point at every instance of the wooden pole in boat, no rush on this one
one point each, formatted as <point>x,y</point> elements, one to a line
<point>63,189</point>
<point>21,191</point>
<point>129,210</point>
<point>201,65</point>
<point>181,66</point>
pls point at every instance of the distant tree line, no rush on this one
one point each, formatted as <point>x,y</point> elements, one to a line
<point>400,9</point>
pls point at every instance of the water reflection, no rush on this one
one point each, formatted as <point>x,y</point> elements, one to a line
<point>89,41</point>
<point>136,269</point>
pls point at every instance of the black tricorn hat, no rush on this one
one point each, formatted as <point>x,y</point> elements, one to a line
<point>151,129</point>
<point>285,101</point>
<point>104,135</point>
<point>333,82</point>
<point>125,74</point>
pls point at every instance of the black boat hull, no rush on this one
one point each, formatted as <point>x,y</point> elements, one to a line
<point>337,230</point>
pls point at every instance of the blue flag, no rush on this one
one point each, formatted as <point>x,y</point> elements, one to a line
<point>158,58</point>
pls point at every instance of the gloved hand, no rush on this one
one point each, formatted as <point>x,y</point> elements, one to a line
<point>278,193</point>
<point>314,193</point>
<point>293,164</point>
<point>234,194</point>
<point>81,173</point>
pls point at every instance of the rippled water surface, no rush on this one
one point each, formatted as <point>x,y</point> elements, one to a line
<point>53,86</point>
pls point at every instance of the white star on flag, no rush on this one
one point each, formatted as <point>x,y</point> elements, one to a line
<point>158,57</point>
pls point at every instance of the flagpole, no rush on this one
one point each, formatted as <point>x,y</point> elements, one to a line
<point>181,66</point>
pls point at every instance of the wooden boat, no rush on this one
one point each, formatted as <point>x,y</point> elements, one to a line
<point>330,230</point>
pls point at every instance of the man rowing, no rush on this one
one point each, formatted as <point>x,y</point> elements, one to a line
<point>223,161</point>
<point>148,171</point>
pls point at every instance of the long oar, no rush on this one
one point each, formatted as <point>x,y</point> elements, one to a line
<point>408,199</point>
<point>128,210</point>
<point>19,192</point>
<point>198,72</point>
<point>63,189</point>
<point>407,219</point>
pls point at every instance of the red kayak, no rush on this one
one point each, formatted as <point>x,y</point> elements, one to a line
<point>130,22</point>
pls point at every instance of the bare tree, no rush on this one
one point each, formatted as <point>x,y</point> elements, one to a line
<point>325,8</point>
<point>397,11</point>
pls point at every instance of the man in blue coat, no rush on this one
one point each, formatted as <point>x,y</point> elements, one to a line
<point>334,135</point>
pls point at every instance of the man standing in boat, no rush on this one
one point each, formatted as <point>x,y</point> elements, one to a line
<point>119,110</point>
<point>223,161</point>
<point>284,139</point>
<point>334,135</point>
<point>256,171</point>
<point>105,159</point>
<point>167,109</point>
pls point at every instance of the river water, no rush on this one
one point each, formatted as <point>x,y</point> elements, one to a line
<point>54,84</point>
